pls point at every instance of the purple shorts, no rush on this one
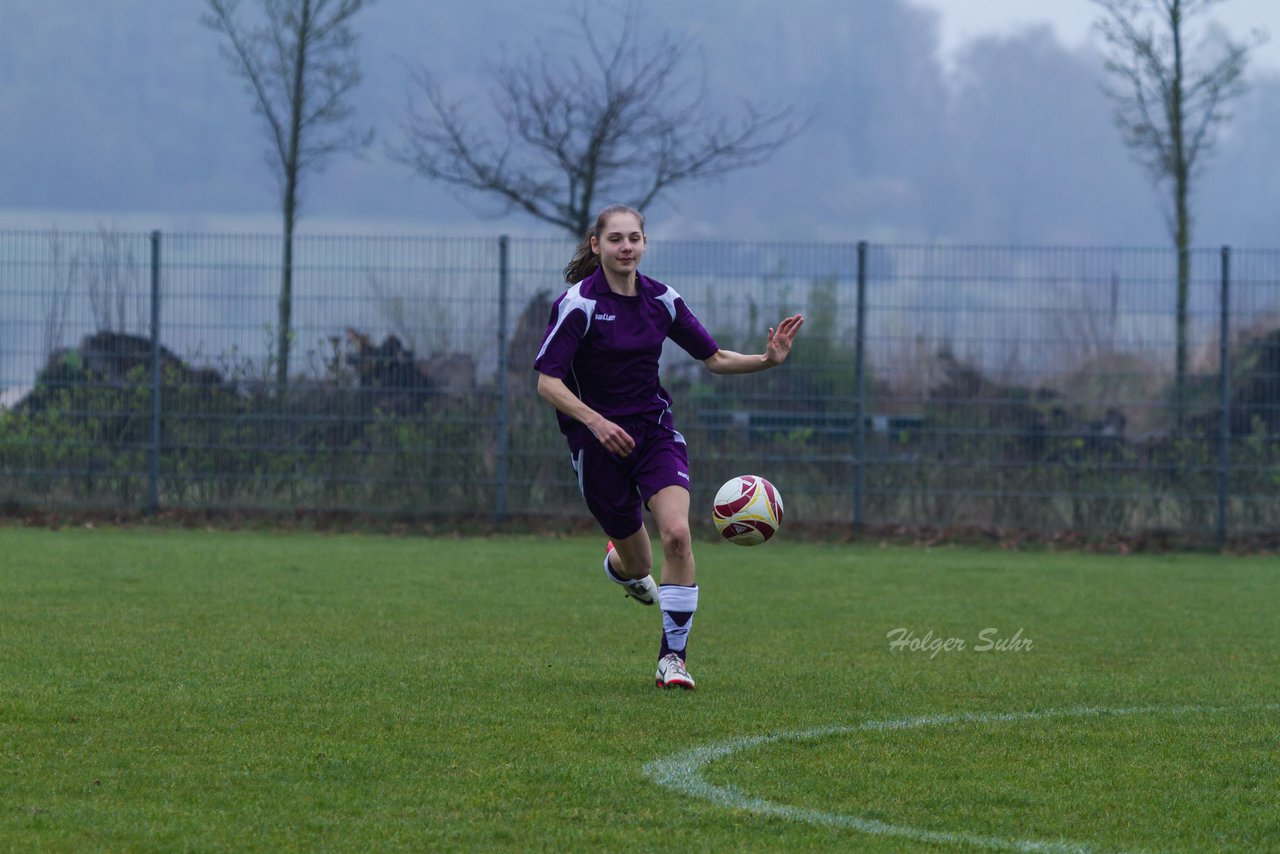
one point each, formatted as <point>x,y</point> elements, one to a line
<point>617,489</point>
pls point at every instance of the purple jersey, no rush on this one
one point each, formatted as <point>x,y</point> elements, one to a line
<point>606,346</point>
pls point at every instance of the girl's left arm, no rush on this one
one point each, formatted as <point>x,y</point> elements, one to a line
<point>775,352</point>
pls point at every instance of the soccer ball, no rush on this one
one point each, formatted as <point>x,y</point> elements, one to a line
<point>747,510</point>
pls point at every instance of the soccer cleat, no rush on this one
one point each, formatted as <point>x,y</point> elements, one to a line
<point>643,590</point>
<point>672,674</point>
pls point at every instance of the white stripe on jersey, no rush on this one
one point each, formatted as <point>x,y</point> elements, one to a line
<point>573,299</point>
<point>669,300</point>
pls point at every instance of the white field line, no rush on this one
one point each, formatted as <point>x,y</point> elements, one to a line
<point>682,772</point>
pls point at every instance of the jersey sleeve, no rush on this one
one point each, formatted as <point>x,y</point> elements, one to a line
<point>688,332</point>
<point>565,329</point>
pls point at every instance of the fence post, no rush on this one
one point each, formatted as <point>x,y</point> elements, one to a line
<point>1224,382</point>
<point>500,499</point>
<point>860,423</point>
<point>153,479</point>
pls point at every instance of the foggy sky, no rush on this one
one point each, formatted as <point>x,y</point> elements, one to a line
<point>125,109</point>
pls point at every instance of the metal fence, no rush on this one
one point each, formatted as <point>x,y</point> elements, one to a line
<point>932,386</point>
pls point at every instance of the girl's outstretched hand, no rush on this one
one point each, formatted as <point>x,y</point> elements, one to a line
<point>780,339</point>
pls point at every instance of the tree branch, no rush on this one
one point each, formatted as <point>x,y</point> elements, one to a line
<point>621,120</point>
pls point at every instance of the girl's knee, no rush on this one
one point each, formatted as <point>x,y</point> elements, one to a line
<point>677,540</point>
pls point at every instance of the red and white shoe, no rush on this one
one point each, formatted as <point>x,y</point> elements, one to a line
<point>643,590</point>
<point>672,673</point>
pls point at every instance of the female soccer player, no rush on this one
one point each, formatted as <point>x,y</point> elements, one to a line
<point>598,366</point>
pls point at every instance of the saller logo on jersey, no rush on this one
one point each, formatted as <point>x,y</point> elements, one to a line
<point>606,317</point>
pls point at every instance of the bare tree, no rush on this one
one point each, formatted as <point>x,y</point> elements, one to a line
<point>578,127</point>
<point>61,275</point>
<point>1170,96</point>
<point>113,277</point>
<point>300,66</point>
<point>108,272</point>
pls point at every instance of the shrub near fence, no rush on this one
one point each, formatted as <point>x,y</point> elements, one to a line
<point>1014,388</point>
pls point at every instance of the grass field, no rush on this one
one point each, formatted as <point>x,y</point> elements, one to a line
<point>165,690</point>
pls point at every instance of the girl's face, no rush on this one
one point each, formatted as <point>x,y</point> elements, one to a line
<point>621,244</point>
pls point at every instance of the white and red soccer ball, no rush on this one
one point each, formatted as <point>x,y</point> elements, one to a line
<point>747,510</point>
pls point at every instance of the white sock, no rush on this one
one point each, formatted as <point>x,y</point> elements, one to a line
<point>678,603</point>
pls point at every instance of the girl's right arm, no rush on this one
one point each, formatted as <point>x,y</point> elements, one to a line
<point>610,435</point>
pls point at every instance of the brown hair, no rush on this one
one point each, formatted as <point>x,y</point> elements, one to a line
<point>584,261</point>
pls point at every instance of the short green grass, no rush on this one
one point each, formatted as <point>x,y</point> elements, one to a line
<point>166,690</point>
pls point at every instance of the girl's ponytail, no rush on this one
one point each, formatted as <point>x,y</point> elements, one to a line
<point>584,261</point>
